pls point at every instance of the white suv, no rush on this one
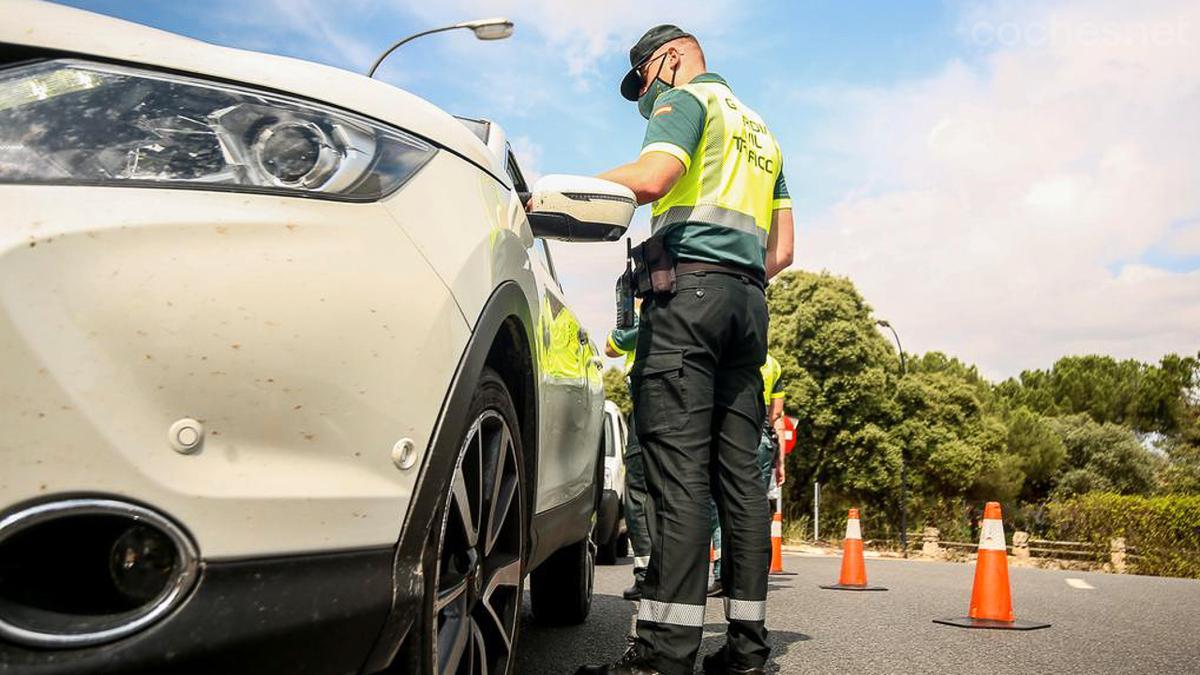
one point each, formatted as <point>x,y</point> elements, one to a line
<point>289,384</point>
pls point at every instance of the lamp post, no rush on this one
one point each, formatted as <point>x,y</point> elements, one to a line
<point>903,461</point>
<point>484,29</point>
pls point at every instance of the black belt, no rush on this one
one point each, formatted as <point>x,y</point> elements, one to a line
<point>694,266</point>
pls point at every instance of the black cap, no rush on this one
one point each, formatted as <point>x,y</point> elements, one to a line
<point>654,38</point>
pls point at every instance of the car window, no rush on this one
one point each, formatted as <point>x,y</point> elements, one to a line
<point>514,173</point>
<point>522,189</point>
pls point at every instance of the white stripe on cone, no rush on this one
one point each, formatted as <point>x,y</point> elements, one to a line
<point>776,529</point>
<point>853,531</point>
<point>991,537</point>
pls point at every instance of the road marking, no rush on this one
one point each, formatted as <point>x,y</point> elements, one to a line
<point>1079,583</point>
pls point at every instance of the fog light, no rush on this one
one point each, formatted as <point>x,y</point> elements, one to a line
<point>141,563</point>
<point>87,571</point>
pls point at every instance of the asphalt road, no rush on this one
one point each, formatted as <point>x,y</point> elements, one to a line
<point>1124,624</point>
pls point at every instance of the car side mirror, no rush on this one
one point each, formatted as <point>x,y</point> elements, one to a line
<point>580,208</point>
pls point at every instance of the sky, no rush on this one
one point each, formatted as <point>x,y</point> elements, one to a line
<point>1008,182</point>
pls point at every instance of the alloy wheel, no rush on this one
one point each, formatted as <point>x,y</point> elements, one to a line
<point>479,568</point>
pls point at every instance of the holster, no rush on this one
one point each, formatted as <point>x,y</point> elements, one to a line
<point>653,268</point>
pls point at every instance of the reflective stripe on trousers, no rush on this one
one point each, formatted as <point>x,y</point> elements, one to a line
<point>672,613</point>
<point>745,610</point>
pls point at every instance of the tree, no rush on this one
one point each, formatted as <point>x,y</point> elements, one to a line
<point>834,368</point>
<point>617,391</point>
<point>1037,450</point>
<point>1144,397</point>
<point>1108,452</point>
<point>1181,472</point>
<point>952,443</point>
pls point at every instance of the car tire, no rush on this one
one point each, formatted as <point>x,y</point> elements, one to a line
<point>474,583</point>
<point>608,552</point>
<point>561,588</point>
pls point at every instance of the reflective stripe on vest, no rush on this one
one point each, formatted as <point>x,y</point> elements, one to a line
<point>731,179</point>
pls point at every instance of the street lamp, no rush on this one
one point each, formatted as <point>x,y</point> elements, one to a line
<point>903,462</point>
<point>484,29</point>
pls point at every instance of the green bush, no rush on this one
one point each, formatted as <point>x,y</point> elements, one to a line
<point>1163,533</point>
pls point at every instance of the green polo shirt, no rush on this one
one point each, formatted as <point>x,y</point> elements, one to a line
<point>676,128</point>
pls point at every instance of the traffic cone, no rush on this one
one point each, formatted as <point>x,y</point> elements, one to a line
<point>776,543</point>
<point>991,600</point>
<point>854,568</point>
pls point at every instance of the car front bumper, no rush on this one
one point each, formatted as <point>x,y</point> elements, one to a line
<point>315,614</point>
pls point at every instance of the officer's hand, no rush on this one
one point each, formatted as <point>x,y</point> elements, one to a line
<point>780,475</point>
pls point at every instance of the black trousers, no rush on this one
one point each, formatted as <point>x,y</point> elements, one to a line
<point>698,404</point>
<point>635,505</point>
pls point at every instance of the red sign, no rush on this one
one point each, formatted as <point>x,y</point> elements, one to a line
<point>788,438</point>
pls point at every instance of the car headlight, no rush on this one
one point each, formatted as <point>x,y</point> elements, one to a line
<point>69,121</point>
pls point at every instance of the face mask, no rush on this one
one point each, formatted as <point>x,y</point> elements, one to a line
<point>656,89</point>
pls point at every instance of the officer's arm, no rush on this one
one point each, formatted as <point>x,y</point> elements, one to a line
<point>776,410</point>
<point>650,177</point>
<point>781,242</point>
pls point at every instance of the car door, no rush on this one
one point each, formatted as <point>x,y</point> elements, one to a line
<point>569,383</point>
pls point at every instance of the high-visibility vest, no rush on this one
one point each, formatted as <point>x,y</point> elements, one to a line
<point>730,180</point>
<point>771,372</point>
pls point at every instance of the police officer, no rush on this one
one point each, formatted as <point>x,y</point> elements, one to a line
<point>770,453</point>
<point>623,342</point>
<point>722,214</point>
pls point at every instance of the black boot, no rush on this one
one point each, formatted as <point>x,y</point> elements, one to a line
<point>630,664</point>
<point>714,664</point>
<point>716,590</point>
<point>633,593</point>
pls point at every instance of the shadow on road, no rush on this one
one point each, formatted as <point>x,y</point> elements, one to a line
<point>549,650</point>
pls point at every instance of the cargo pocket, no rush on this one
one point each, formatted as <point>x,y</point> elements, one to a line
<point>660,404</point>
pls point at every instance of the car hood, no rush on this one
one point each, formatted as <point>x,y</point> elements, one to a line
<point>40,24</point>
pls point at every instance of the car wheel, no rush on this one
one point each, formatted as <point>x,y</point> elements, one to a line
<point>473,597</point>
<point>608,552</point>
<point>561,588</point>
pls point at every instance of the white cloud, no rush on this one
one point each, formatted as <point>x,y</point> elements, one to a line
<point>584,31</point>
<point>303,28</point>
<point>1002,209</point>
<point>1185,241</point>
